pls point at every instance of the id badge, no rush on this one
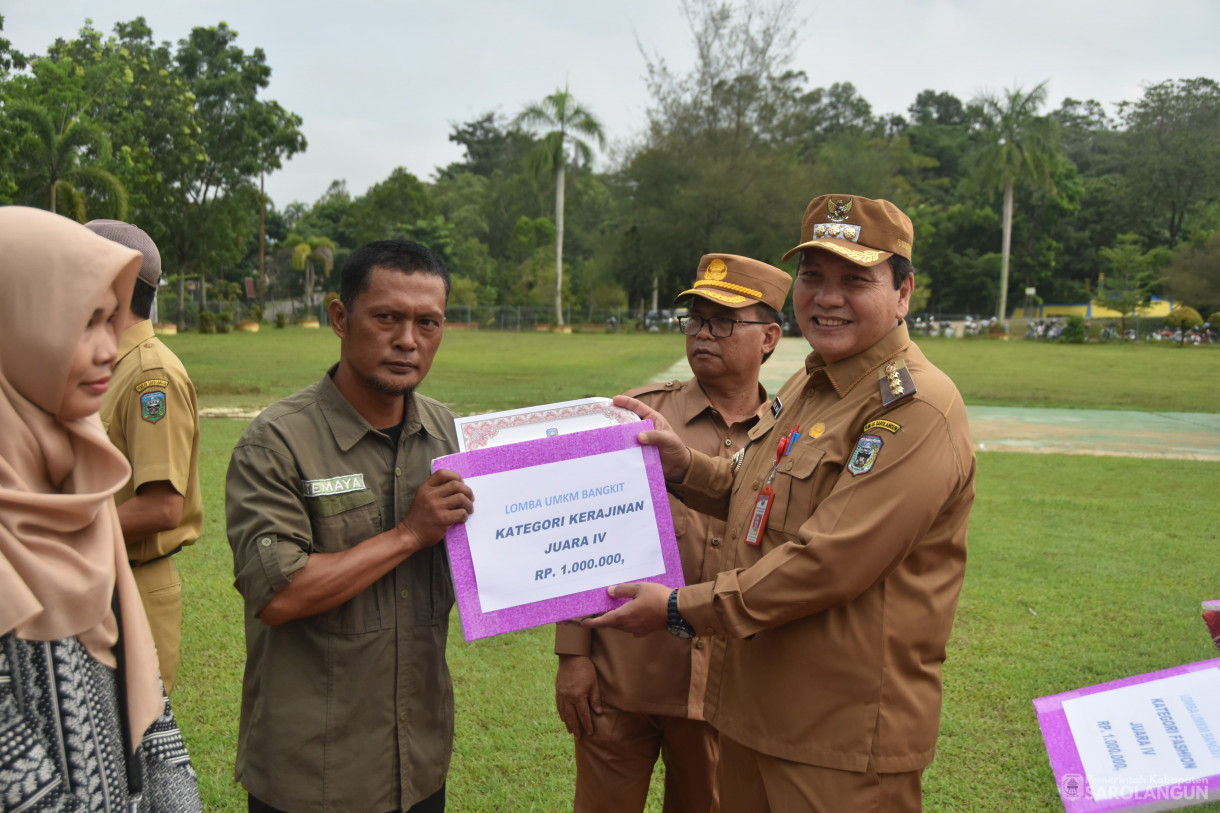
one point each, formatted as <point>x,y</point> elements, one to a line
<point>758,521</point>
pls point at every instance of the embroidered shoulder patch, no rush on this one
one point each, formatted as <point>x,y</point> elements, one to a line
<point>152,406</point>
<point>342,484</point>
<point>864,455</point>
<point>888,426</point>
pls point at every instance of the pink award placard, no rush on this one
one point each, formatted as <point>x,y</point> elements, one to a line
<point>556,521</point>
<point>1143,743</point>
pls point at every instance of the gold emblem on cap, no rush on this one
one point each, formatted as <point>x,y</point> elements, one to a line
<point>849,232</point>
<point>833,231</point>
<point>838,210</point>
<point>716,270</point>
<point>819,230</point>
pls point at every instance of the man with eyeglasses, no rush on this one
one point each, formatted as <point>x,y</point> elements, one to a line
<point>626,699</point>
<point>846,542</point>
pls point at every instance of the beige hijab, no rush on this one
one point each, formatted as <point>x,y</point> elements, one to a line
<point>61,549</point>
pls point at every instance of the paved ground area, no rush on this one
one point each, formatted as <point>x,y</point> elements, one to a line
<point>1173,435</point>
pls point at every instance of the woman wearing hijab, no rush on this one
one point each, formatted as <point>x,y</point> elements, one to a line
<point>84,724</point>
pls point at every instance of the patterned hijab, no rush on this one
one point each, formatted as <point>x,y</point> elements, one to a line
<point>61,548</point>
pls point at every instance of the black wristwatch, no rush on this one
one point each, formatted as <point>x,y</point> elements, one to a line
<point>676,624</point>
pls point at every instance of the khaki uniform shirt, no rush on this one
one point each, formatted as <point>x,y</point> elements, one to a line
<point>352,708</point>
<point>661,674</point>
<point>151,416</point>
<point>829,636</point>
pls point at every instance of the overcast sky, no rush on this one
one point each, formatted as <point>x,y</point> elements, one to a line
<point>381,84</point>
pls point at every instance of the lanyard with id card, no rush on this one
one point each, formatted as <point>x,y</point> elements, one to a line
<point>766,494</point>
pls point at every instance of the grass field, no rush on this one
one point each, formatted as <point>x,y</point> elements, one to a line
<point>484,371</point>
<point>1081,569</point>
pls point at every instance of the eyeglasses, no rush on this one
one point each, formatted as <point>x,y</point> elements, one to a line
<point>721,327</point>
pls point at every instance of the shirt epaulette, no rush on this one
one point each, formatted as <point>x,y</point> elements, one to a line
<point>671,385</point>
<point>895,382</point>
<point>150,356</point>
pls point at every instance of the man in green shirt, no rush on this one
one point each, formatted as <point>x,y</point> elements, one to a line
<point>334,517</point>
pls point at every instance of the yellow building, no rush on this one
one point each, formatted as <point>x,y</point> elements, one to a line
<point>1156,308</point>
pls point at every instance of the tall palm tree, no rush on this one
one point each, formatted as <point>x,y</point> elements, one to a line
<point>308,255</point>
<point>55,177</point>
<point>1020,147</point>
<point>564,121</point>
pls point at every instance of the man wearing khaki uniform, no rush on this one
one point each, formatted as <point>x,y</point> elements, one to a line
<point>151,416</point>
<point>626,699</point>
<point>846,543</point>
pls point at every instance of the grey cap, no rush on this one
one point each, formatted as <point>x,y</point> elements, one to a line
<point>133,237</point>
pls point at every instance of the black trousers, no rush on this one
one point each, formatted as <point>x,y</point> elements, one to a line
<point>433,804</point>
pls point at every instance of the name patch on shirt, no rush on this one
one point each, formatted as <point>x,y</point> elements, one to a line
<point>159,383</point>
<point>776,407</point>
<point>888,426</point>
<point>343,484</point>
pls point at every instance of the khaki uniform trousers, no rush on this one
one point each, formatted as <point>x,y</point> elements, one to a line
<point>614,764</point>
<point>753,782</point>
<point>161,593</point>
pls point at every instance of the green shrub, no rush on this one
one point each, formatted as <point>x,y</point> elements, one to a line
<point>1214,319</point>
<point>1183,316</point>
<point>1074,332</point>
<point>215,322</point>
<point>281,319</point>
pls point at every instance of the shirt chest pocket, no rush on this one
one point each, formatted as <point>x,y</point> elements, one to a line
<point>796,490</point>
<point>340,522</point>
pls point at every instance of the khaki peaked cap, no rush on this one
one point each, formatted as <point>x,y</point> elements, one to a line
<point>737,282</point>
<point>861,230</point>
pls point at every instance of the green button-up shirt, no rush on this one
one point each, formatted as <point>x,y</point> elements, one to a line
<point>352,708</point>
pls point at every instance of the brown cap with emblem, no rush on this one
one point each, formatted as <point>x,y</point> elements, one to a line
<point>860,230</point>
<point>736,282</point>
<point>132,237</point>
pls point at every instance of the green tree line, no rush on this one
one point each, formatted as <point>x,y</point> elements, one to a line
<point>1080,202</point>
